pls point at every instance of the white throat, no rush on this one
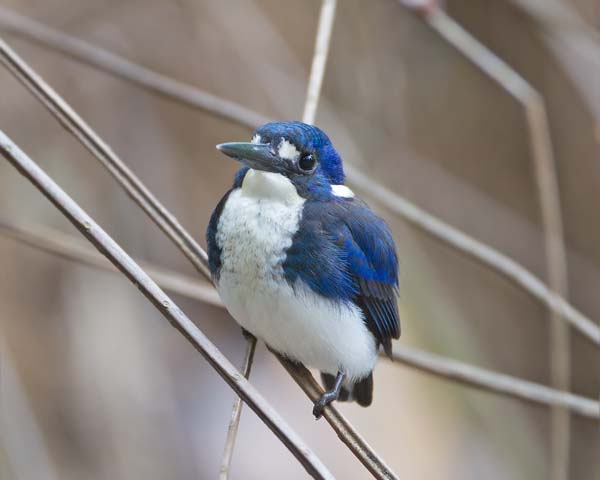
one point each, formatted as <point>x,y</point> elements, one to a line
<point>272,186</point>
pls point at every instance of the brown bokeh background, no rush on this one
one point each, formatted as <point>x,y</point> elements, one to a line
<point>110,391</point>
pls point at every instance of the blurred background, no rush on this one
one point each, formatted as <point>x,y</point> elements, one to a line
<point>95,384</point>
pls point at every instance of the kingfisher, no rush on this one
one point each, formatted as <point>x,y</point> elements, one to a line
<point>303,264</point>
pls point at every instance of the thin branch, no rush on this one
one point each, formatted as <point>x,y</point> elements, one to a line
<point>548,192</point>
<point>236,412</point>
<point>508,385</point>
<point>556,271</point>
<point>68,247</point>
<point>82,131</point>
<point>338,422</point>
<point>317,70</point>
<point>106,61</point>
<point>108,247</point>
<point>419,218</point>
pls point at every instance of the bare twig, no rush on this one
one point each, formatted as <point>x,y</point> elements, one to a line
<point>82,131</point>
<point>108,247</point>
<point>317,70</point>
<point>236,412</point>
<point>106,61</point>
<point>432,225</point>
<point>545,173</point>
<point>338,422</point>
<point>449,369</point>
<point>68,247</point>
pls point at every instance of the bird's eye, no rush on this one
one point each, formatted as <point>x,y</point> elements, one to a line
<point>307,162</point>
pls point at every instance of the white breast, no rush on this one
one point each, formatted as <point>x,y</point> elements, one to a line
<point>255,230</point>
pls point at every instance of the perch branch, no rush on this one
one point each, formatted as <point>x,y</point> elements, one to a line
<point>338,422</point>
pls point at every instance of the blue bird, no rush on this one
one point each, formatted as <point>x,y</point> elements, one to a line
<point>301,263</point>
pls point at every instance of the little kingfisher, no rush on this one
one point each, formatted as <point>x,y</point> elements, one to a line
<point>303,264</point>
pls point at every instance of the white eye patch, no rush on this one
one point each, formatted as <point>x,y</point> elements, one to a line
<point>342,191</point>
<point>287,150</point>
<point>256,139</point>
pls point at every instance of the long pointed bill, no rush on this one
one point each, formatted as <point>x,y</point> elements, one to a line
<point>254,155</point>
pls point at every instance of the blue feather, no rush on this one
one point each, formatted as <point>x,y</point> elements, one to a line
<point>344,252</point>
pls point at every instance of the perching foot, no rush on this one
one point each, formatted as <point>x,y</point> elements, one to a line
<point>329,396</point>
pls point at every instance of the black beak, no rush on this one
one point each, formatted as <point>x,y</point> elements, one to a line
<point>254,155</point>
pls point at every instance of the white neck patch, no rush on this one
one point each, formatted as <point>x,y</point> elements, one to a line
<point>342,191</point>
<point>287,150</point>
<point>268,185</point>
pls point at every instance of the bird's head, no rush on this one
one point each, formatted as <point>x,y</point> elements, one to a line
<point>301,152</point>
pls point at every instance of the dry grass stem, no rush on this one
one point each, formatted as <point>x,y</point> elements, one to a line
<point>508,385</point>
<point>236,413</point>
<point>319,61</point>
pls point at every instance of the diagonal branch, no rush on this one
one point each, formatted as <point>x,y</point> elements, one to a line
<point>97,147</point>
<point>109,248</point>
<point>338,422</point>
<point>418,217</point>
<point>106,61</point>
<point>69,248</point>
<point>508,385</point>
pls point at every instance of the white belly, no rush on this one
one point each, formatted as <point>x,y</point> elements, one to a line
<point>255,229</point>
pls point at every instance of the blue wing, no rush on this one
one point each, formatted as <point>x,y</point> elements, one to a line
<point>352,258</point>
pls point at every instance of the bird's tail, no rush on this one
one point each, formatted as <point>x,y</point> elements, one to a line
<point>361,392</point>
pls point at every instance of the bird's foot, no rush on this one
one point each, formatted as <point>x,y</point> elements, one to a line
<point>328,396</point>
<point>322,402</point>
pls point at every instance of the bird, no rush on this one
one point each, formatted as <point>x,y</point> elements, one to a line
<point>302,263</point>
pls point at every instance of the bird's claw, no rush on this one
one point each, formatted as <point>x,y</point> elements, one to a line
<point>321,403</point>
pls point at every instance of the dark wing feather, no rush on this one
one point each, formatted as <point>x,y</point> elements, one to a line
<point>352,258</point>
<point>372,262</point>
